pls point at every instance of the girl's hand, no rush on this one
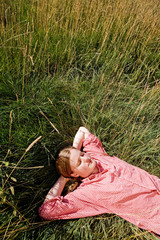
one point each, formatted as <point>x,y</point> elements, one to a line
<point>57,188</point>
<point>81,134</point>
<point>65,179</point>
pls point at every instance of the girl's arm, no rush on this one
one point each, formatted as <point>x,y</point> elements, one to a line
<point>81,134</point>
<point>57,188</point>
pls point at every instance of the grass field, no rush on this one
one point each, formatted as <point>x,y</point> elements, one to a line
<point>64,64</point>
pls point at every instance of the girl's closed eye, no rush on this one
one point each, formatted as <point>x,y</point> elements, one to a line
<point>79,162</point>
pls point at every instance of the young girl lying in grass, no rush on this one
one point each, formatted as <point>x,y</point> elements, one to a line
<point>108,185</point>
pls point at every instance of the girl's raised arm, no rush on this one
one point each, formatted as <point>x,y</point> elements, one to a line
<point>81,134</point>
<point>57,188</point>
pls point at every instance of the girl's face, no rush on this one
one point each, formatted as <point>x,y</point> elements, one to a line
<point>81,164</point>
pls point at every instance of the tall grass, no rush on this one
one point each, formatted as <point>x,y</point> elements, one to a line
<point>65,64</point>
<point>50,36</point>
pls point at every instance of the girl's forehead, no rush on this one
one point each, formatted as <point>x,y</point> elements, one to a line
<point>74,151</point>
<point>74,156</point>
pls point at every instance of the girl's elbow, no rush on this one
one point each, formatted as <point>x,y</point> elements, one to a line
<point>84,130</point>
<point>46,213</point>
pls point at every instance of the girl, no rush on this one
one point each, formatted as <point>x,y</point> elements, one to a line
<point>109,185</point>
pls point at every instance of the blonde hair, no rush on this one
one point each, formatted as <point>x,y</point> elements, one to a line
<point>63,162</point>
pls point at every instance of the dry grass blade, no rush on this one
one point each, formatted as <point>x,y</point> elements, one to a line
<point>50,122</point>
<point>56,111</point>
<point>8,152</point>
<point>29,147</point>
<point>7,228</point>
<point>37,167</point>
<point>32,144</point>
<point>11,121</point>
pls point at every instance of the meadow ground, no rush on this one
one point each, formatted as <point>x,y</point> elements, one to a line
<point>64,64</point>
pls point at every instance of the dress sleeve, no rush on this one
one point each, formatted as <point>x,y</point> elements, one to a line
<point>57,208</point>
<point>92,144</point>
<point>77,204</point>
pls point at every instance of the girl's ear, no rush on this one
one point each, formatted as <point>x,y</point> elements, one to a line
<point>74,175</point>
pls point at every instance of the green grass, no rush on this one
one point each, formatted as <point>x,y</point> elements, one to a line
<point>64,64</point>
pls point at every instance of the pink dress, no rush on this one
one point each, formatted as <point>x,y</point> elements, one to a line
<point>118,188</point>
